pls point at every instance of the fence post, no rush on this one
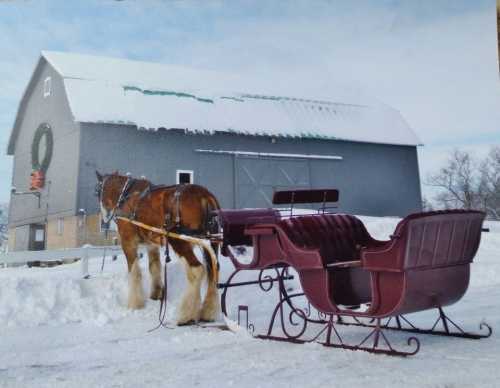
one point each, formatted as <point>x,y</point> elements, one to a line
<point>85,263</point>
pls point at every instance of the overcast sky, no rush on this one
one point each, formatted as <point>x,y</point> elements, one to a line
<point>434,60</point>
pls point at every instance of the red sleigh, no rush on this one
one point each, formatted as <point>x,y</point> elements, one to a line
<point>349,277</point>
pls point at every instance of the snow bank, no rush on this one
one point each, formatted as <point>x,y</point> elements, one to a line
<point>55,296</point>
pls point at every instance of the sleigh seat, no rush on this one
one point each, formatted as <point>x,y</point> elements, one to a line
<point>425,264</point>
<point>337,238</point>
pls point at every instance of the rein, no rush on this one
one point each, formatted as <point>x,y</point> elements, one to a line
<point>193,240</point>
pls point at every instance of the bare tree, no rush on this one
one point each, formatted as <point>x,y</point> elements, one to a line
<point>457,181</point>
<point>426,205</point>
<point>3,227</point>
<point>489,183</point>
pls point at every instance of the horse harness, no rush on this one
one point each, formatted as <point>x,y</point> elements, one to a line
<point>174,230</point>
<point>170,225</point>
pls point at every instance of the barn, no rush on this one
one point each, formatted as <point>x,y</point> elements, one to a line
<point>83,113</point>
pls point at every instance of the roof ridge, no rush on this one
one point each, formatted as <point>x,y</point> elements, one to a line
<point>152,95</point>
<point>112,78</point>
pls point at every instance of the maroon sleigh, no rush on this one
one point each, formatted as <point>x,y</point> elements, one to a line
<point>351,278</point>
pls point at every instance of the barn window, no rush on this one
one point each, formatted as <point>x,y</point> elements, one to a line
<point>47,87</point>
<point>60,226</point>
<point>184,176</point>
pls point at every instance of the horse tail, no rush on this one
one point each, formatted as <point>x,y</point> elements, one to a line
<point>212,263</point>
<point>210,205</point>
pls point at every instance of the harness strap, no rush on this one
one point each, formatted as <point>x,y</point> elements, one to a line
<point>162,314</point>
<point>177,198</point>
<point>144,193</point>
<point>163,303</point>
<point>124,195</point>
<point>193,240</point>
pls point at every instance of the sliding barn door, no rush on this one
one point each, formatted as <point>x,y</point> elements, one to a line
<point>258,177</point>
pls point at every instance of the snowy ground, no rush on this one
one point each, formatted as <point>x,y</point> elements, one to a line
<point>60,330</point>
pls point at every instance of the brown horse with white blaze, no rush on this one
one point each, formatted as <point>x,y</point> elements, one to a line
<point>184,209</point>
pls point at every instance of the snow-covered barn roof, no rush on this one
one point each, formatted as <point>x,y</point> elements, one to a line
<point>152,96</point>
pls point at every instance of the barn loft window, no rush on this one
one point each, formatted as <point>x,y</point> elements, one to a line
<point>47,87</point>
<point>184,176</point>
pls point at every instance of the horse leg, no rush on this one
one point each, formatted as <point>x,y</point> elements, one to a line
<point>155,272</point>
<point>189,310</point>
<point>210,308</point>
<point>135,292</point>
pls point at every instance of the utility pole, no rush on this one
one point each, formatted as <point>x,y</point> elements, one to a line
<point>82,223</point>
<point>498,32</point>
<point>47,214</point>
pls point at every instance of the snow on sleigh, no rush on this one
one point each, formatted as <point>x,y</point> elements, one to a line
<point>347,276</point>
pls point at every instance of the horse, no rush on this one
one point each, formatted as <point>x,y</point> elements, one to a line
<point>186,209</point>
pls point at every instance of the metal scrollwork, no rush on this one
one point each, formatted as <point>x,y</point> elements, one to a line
<point>266,282</point>
<point>322,316</point>
<point>483,325</point>
<point>291,319</point>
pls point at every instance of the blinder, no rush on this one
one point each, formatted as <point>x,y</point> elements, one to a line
<point>124,195</point>
<point>98,189</point>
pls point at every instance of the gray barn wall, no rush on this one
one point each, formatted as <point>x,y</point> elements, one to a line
<point>373,179</point>
<point>60,193</point>
<point>21,238</point>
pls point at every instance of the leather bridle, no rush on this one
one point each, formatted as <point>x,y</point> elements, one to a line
<point>121,198</point>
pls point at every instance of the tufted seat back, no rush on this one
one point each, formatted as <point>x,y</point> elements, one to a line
<point>338,237</point>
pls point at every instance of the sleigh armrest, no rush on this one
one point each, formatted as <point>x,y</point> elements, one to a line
<point>260,230</point>
<point>382,258</point>
<point>345,264</point>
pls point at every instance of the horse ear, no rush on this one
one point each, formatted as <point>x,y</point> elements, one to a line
<point>99,176</point>
<point>116,172</point>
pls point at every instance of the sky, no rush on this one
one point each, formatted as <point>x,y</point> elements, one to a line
<point>433,60</point>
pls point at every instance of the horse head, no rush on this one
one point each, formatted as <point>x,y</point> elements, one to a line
<point>111,190</point>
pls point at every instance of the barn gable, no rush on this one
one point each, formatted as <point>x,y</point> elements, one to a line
<point>43,106</point>
<point>152,96</point>
<point>35,77</point>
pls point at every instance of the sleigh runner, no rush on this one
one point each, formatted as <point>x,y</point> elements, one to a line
<point>348,277</point>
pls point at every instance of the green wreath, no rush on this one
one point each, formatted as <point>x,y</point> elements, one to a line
<point>36,163</point>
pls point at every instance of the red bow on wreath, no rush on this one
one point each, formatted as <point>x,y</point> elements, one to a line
<point>37,180</point>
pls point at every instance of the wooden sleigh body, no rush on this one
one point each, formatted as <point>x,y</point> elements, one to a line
<point>351,278</point>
